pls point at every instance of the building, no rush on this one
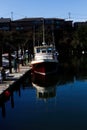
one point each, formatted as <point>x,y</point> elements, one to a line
<point>28,24</point>
<point>79,24</point>
<point>5,24</point>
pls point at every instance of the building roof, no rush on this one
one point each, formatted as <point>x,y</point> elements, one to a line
<point>28,19</point>
<point>5,20</point>
<point>37,18</point>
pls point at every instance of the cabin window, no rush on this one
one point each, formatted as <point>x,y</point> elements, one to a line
<point>43,51</point>
<point>49,50</point>
<point>38,50</point>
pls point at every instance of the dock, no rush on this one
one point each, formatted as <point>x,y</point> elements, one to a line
<point>12,78</point>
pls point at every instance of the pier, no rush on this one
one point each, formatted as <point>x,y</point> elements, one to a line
<point>13,78</point>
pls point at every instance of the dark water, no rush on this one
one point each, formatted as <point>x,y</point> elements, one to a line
<point>58,104</point>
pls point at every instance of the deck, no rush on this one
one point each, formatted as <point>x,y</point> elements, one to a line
<point>13,78</point>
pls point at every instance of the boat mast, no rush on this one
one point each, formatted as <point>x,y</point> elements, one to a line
<point>53,35</point>
<point>43,33</point>
<point>53,38</point>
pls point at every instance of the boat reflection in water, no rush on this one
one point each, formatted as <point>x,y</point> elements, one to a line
<point>45,86</point>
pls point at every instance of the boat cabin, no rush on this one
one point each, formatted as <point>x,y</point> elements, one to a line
<point>43,49</point>
<point>44,52</point>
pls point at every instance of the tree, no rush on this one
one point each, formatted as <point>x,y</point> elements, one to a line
<point>1,45</point>
<point>79,41</point>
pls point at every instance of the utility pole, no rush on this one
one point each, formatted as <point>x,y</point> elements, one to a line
<point>12,16</point>
<point>69,14</point>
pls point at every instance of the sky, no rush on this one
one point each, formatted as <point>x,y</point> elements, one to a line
<point>75,10</point>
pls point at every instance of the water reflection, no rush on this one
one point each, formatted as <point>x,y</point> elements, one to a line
<point>12,100</point>
<point>7,96</point>
<point>45,86</point>
<point>73,67</point>
<point>3,110</point>
<point>69,70</point>
<point>3,102</point>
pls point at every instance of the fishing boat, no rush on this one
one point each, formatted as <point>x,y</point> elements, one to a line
<point>45,58</point>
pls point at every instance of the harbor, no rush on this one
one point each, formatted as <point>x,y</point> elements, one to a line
<point>59,101</point>
<point>43,65</point>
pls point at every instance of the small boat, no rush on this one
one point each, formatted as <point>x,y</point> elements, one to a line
<point>45,60</point>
